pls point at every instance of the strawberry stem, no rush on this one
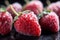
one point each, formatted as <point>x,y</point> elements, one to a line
<point>48,2</point>
<point>14,10</point>
<point>27,1</point>
<point>7,3</point>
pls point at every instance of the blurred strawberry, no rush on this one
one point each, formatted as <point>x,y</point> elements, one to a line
<point>16,7</point>
<point>27,24</point>
<point>5,23</point>
<point>49,22</point>
<point>35,6</point>
<point>55,7</point>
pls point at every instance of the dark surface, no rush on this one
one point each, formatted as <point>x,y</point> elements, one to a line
<point>15,36</point>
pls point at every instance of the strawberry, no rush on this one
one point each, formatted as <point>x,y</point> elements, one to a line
<point>49,22</point>
<point>5,23</point>
<point>16,6</point>
<point>35,6</point>
<point>55,7</point>
<point>27,24</point>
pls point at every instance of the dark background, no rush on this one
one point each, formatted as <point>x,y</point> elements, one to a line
<point>2,2</point>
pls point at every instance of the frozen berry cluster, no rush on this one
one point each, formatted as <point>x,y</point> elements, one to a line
<point>30,19</point>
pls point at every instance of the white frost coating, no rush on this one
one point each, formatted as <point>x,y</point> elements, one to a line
<point>58,3</point>
<point>6,22</point>
<point>33,15</point>
<point>57,18</point>
<point>17,6</point>
<point>26,15</point>
<point>36,19</point>
<point>9,15</point>
<point>54,6</point>
<point>38,5</point>
<point>51,6</point>
<point>11,19</point>
<point>55,15</point>
<point>34,2</point>
<point>31,18</point>
<point>3,16</point>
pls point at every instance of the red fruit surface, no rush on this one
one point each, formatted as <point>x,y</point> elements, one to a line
<point>50,22</point>
<point>17,7</point>
<point>27,24</point>
<point>55,7</point>
<point>35,6</point>
<point>5,23</point>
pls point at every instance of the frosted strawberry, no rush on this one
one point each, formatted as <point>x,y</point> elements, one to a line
<point>35,6</point>
<point>27,24</point>
<point>55,7</point>
<point>16,6</point>
<point>49,22</point>
<point>5,23</point>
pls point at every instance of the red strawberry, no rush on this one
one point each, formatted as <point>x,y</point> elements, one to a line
<point>35,6</point>
<point>49,22</point>
<point>27,24</point>
<point>55,7</point>
<point>16,6</point>
<point>5,23</point>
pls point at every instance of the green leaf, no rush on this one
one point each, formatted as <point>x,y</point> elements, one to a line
<point>15,18</point>
<point>45,12</point>
<point>2,9</point>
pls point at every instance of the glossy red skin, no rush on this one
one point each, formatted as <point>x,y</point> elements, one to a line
<point>35,6</point>
<point>55,7</point>
<point>16,6</point>
<point>5,23</point>
<point>50,22</point>
<point>27,24</point>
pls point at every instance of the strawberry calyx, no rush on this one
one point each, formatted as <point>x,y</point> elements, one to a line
<point>48,2</point>
<point>45,12</point>
<point>26,11</point>
<point>2,9</point>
